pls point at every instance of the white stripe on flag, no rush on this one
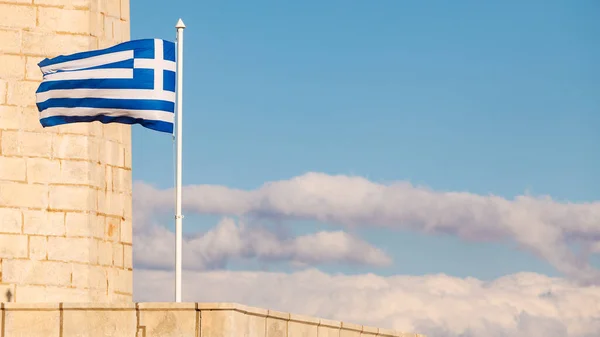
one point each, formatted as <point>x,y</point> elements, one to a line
<point>106,93</point>
<point>151,64</point>
<point>145,114</point>
<point>93,61</point>
<point>90,74</point>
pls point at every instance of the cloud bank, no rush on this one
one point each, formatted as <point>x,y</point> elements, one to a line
<point>524,304</point>
<point>155,247</point>
<point>545,227</point>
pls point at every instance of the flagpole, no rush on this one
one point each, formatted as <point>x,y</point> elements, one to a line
<point>178,217</point>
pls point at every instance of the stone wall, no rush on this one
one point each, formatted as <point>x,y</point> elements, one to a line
<point>65,192</point>
<point>171,319</point>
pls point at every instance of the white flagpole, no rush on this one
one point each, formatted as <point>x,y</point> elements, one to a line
<point>178,217</point>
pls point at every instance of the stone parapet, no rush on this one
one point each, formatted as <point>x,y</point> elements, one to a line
<point>171,319</point>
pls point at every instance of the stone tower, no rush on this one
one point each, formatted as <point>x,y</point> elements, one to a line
<point>65,192</point>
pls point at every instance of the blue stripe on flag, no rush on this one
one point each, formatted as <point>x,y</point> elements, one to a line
<point>169,51</point>
<point>169,79</point>
<point>140,48</point>
<point>107,103</point>
<point>150,124</point>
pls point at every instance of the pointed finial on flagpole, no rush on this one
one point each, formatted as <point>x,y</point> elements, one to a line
<point>180,24</point>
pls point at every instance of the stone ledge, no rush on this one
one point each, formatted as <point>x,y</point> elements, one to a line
<point>177,319</point>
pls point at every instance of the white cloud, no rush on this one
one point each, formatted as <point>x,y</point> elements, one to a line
<point>524,304</point>
<point>155,246</point>
<point>543,226</point>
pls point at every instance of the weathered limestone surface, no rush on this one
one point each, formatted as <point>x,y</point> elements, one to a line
<point>171,320</point>
<point>65,192</point>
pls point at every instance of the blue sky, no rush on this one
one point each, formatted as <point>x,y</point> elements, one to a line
<point>490,98</point>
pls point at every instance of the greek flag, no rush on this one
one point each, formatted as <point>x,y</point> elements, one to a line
<point>130,83</point>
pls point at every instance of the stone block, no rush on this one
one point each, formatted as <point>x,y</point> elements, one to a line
<point>117,255</point>
<point>113,8</point>
<point>42,170</point>
<point>72,249</point>
<point>244,321</point>
<point>38,248</point>
<point>96,24</point>
<point>21,93</point>
<point>73,129</point>
<point>5,121</point>
<point>10,40</point>
<point>125,11</point>
<point>84,224</point>
<point>120,281</point>
<point>95,320</point>
<point>169,319</point>
<point>21,143</point>
<point>126,231</point>
<point>111,203</point>
<point>32,70</point>
<point>36,272</point>
<point>39,293</point>
<point>11,220</point>
<point>43,223</point>
<point>127,206</point>
<point>108,27</point>
<point>105,253</point>
<point>50,45</point>
<point>12,168</point>
<point>222,323</point>
<point>73,147</point>
<point>302,326</point>
<point>76,172</point>
<point>108,178</point>
<point>18,1</point>
<point>13,66</point>
<point>121,180</point>
<point>118,29</point>
<point>35,320</point>
<point>72,198</point>
<point>392,333</point>
<point>257,324</point>
<point>10,116</point>
<point>64,20</point>
<point>30,121</point>
<point>113,153</point>
<point>14,194</point>
<point>368,331</point>
<point>350,330</point>
<point>127,160</point>
<point>328,328</point>
<point>14,16</point>
<point>4,289</point>
<point>79,4</point>
<point>126,30</point>
<point>113,132</point>
<point>106,43</point>
<point>82,4</point>
<point>89,277</point>
<point>119,298</point>
<point>111,232</point>
<point>127,256</point>
<point>97,176</point>
<point>277,324</point>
